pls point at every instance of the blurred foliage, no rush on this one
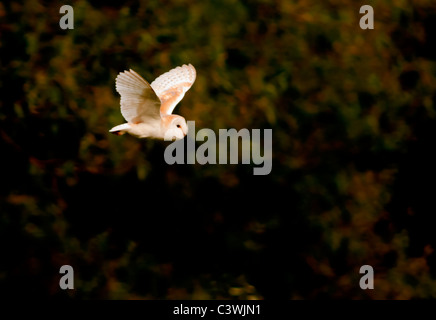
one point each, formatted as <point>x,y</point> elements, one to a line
<point>352,183</point>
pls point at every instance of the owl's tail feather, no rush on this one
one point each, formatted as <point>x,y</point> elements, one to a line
<point>120,129</point>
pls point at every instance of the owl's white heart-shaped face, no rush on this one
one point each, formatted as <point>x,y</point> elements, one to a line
<point>177,129</point>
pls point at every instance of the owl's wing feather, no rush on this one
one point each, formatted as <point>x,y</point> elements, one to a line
<point>139,103</point>
<point>171,86</point>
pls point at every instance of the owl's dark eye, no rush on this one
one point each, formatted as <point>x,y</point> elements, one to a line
<point>178,126</point>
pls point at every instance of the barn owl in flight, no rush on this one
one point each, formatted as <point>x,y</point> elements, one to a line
<point>148,108</point>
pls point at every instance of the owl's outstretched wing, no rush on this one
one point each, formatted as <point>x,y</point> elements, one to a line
<point>171,86</point>
<point>139,103</point>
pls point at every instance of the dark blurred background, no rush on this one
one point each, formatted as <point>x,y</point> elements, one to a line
<point>353,177</point>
